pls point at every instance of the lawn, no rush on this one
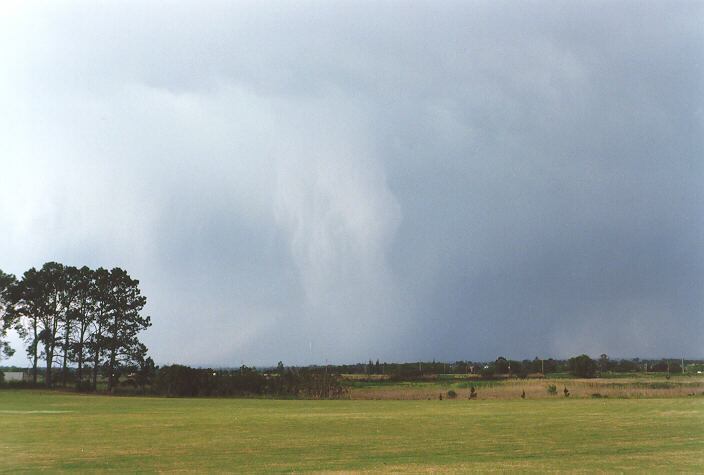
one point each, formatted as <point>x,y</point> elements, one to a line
<point>42,430</point>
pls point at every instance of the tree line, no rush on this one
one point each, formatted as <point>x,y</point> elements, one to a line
<point>90,318</point>
<point>311,382</point>
<point>581,366</point>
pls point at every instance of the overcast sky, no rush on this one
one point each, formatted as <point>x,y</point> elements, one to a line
<point>340,181</point>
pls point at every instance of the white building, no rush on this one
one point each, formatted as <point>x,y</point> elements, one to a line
<point>14,376</point>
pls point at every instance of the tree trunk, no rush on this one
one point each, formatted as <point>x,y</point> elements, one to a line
<point>111,381</point>
<point>80,361</point>
<point>35,356</point>
<point>34,367</point>
<point>96,360</point>
<point>49,349</point>
<point>64,369</point>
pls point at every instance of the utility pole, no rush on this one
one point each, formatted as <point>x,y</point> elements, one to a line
<point>682,365</point>
<point>542,366</point>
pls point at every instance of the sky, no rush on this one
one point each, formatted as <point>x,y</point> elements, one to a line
<point>338,181</point>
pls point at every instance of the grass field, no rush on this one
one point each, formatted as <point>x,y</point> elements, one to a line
<point>52,431</point>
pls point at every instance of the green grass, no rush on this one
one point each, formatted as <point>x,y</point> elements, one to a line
<point>146,434</point>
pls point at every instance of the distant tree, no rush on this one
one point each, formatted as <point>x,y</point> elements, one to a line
<point>660,366</point>
<point>626,366</point>
<point>582,366</point>
<point>145,372</point>
<point>517,369</point>
<point>488,371</point>
<point>604,363</point>
<point>459,367</point>
<point>550,365</point>
<point>501,365</point>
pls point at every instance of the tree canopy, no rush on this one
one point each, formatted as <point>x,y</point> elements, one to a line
<point>67,315</point>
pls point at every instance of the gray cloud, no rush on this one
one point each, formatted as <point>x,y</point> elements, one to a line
<point>345,181</point>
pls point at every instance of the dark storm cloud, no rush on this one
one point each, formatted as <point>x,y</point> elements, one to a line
<point>344,181</point>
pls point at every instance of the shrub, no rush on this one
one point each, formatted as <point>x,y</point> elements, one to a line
<point>472,393</point>
<point>451,394</point>
<point>552,389</point>
<point>596,395</point>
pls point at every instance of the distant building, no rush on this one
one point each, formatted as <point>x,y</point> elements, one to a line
<point>14,376</point>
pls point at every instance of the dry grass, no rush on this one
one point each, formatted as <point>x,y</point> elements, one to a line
<point>365,377</point>
<point>537,389</point>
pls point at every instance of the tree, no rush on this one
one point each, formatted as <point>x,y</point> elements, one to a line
<point>501,365</point>
<point>582,366</point>
<point>146,371</point>
<point>124,304</point>
<point>550,366</point>
<point>51,286</point>
<point>28,300</point>
<point>604,363</point>
<point>83,316</point>
<point>6,281</point>
<point>68,293</point>
<point>626,366</point>
<point>99,296</point>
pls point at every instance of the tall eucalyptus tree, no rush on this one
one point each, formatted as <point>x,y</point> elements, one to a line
<point>6,315</point>
<point>125,302</point>
<point>83,317</point>
<point>28,301</point>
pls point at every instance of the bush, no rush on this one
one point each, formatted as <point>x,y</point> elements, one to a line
<point>552,389</point>
<point>451,394</point>
<point>596,395</point>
